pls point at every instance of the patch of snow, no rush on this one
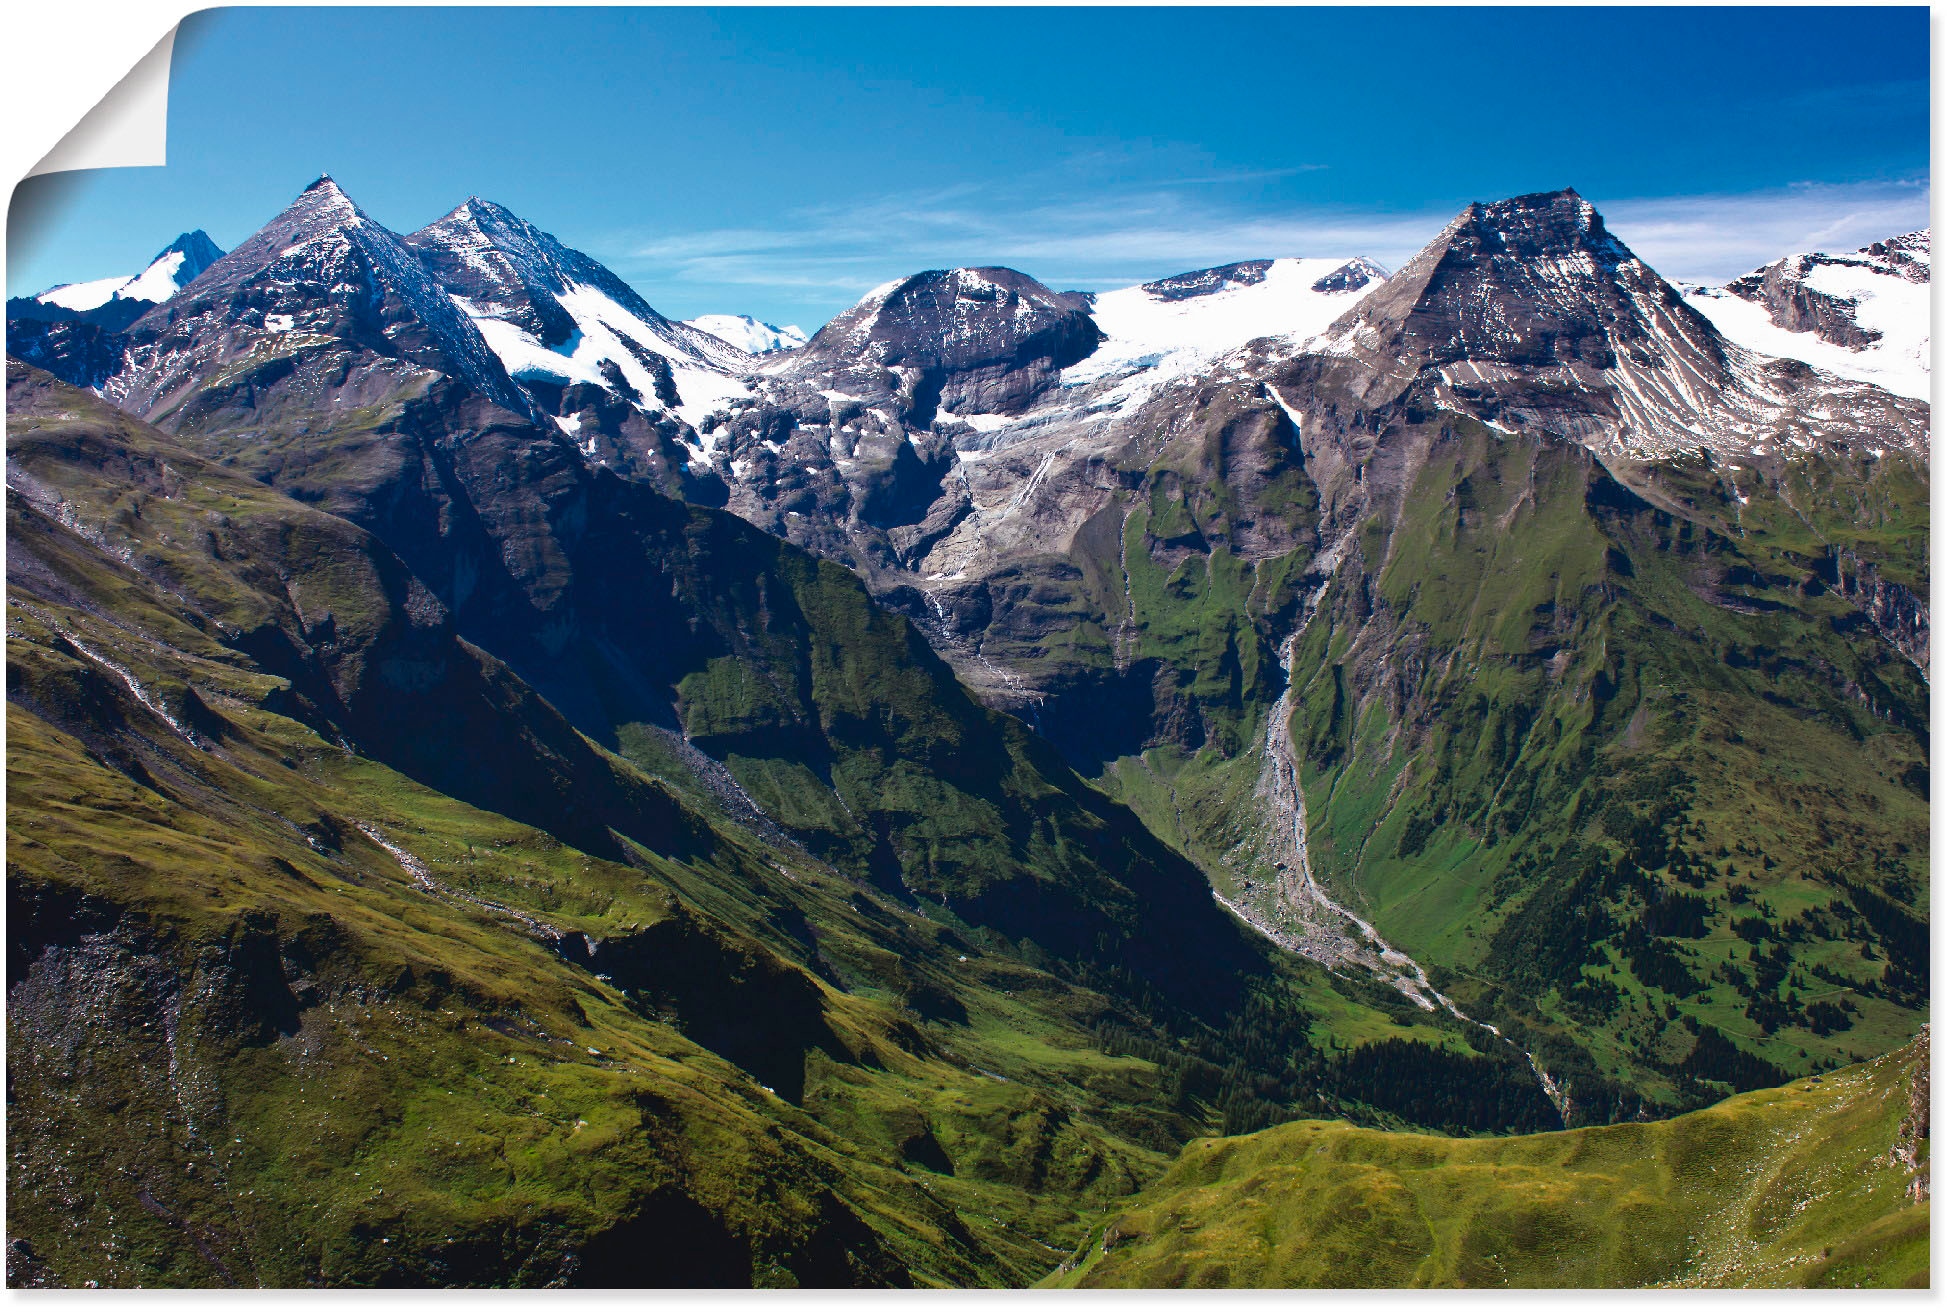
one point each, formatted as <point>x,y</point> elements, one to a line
<point>705,391</point>
<point>985,423</point>
<point>84,295</point>
<point>750,335</point>
<point>1900,362</point>
<point>1896,308</point>
<point>157,282</point>
<point>604,330</point>
<point>1150,340</point>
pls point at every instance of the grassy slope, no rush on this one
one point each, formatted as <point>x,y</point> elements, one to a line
<point>1606,708</point>
<point>1796,1186</point>
<point>1534,703</point>
<point>633,613</point>
<point>244,1033</point>
<point>232,1006</point>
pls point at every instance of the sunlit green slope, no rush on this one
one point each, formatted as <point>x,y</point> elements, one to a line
<point>1819,1183</point>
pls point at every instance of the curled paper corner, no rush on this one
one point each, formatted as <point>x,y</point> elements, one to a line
<point>128,127</point>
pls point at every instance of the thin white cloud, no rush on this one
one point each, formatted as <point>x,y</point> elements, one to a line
<point>1716,238</point>
<point>1109,241</point>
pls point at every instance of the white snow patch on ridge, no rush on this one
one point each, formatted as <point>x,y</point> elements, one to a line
<point>1898,309</point>
<point>601,325</point>
<point>752,336</point>
<point>83,295</point>
<point>1168,338</point>
<point>156,284</point>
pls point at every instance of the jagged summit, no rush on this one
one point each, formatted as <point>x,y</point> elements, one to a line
<point>1534,280</point>
<point>507,268</point>
<point>320,271</point>
<point>1531,313</point>
<point>556,317</point>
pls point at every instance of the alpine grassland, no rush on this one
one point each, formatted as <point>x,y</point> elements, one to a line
<point>1820,1184</point>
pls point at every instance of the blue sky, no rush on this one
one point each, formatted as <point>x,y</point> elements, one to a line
<point>779,162</point>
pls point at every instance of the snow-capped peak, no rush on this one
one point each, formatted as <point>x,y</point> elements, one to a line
<point>1863,315</point>
<point>555,316</point>
<point>752,336</point>
<point>174,267</point>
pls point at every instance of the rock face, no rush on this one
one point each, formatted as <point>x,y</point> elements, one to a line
<point>1862,314</point>
<point>963,341</point>
<point>1202,282</point>
<point>1787,288</point>
<point>1537,318</point>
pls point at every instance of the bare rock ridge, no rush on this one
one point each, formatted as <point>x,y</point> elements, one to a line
<point>322,271</point>
<point>1535,316</point>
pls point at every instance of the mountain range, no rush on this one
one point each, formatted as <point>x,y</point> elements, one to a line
<point>854,809</point>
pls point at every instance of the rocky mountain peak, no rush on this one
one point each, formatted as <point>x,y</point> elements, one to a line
<point>509,271</point>
<point>1529,312</point>
<point>1355,273</point>
<point>1910,253</point>
<point>1533,281</point>
<point>324,201</point>
<point>987,340</point>
<point>198,253</point>
<point>321,270</point>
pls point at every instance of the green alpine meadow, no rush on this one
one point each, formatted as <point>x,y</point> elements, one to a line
<point>1287,774</point>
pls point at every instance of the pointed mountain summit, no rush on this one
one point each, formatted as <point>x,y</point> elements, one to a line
<point>1528,312</point>
<point>114,303</point>
<point>175,266</point>
<point>320,277</point>
<point>557,317</point>
<point>1537,280</point>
